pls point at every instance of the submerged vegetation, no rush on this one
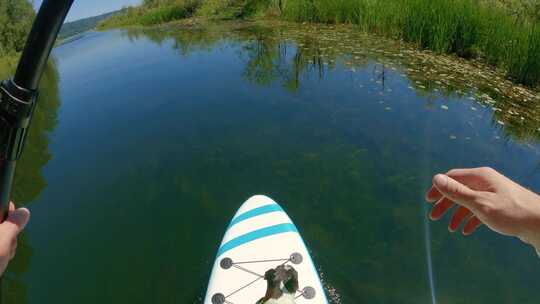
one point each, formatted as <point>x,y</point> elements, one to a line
<point>504,33</point>
<point>237,130</point>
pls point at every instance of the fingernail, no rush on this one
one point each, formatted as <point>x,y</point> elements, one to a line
<point>450,229</point>
<point>432,216</point>
<point>440,179</point>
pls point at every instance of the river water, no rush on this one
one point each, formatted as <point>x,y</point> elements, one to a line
<point>146,142</point>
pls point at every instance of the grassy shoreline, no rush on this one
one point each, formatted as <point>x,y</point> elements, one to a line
<point>151,15</point>
<point>467,28</point>
<point>464,27</point>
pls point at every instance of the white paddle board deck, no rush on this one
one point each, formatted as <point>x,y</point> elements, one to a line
<point>260,236</point>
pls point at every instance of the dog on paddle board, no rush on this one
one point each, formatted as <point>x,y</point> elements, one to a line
<point>281,285</point>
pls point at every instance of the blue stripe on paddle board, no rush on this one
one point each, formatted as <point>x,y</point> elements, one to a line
<point>255,235</point>
<point>255,212</point>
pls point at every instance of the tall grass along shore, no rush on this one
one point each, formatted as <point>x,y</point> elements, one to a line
<point>152,12</point>
<point>468,28</point>
<point>505,33</point>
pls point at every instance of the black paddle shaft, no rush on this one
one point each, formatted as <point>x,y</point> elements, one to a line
<point>18,95</point>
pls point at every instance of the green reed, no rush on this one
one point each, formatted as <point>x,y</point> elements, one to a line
<point>467,28</point>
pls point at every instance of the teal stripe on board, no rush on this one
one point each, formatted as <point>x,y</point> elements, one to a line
<point>255,212</point>
<point>255,235</point>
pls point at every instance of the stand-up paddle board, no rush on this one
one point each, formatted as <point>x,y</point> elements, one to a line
<point>261,237</point>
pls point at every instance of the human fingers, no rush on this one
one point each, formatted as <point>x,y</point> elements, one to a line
<point>13,249</point>
<point>473,178</point>
<point>480,179</point>
<point>440,208</point>
<point>433,195</point>
<point>456,191</point>
<point>459,215</point>
<point>472,224</point>
<point>15,222</point>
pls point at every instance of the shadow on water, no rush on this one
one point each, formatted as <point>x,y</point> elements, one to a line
<point>29,180</point>
<point>341,128</point>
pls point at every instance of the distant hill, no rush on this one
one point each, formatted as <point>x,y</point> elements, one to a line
<point>82,25</point>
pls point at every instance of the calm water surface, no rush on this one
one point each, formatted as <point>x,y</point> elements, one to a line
<point>146,142</point>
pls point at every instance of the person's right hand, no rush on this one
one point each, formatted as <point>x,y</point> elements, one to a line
<point>483,195</point>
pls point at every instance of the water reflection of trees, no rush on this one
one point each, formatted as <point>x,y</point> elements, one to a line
<point>286,54</point>
<point>16,291</point>
<point>270,58</point>
<point>29,180</point>
<point>185,41</point>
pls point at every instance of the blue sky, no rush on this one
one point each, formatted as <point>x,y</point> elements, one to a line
<point>89,8</point>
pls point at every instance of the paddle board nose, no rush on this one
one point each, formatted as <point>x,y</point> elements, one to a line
<point>255,202</point>
<point>259,237</point>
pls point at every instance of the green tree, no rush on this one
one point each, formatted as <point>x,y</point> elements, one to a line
<point>15,21</point>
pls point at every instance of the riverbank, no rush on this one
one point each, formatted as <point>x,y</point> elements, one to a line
<point>469,29</point>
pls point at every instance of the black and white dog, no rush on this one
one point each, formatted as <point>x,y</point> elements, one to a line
<point>281,285</point>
